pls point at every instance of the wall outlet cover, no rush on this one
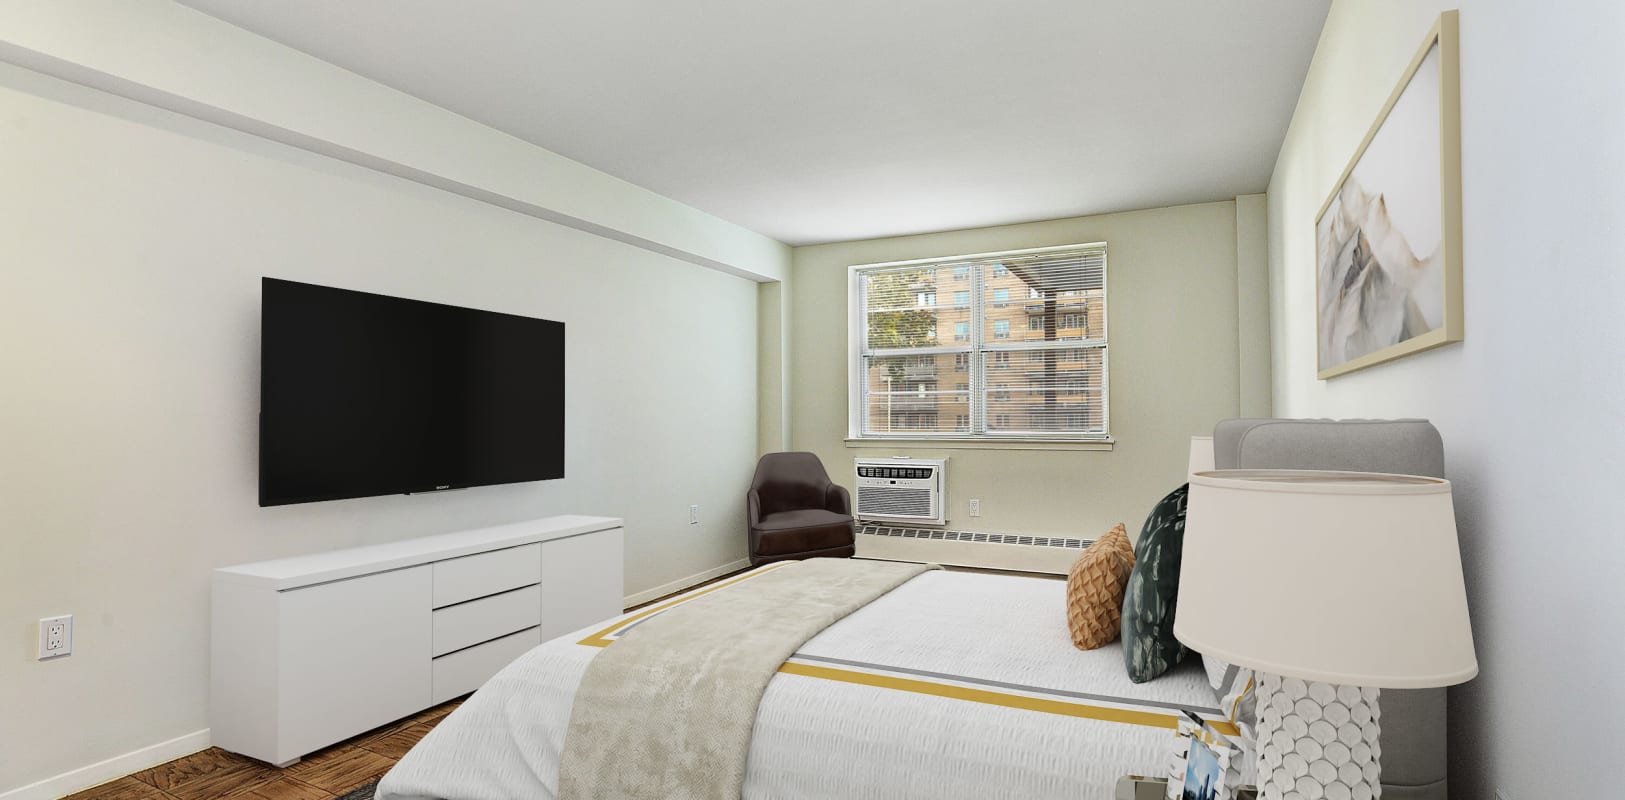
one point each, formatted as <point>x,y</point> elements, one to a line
<point>55,636</point>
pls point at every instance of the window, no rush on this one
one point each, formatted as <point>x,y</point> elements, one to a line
<point>1046,381</point>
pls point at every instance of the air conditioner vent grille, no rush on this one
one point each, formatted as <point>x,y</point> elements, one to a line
<point>895,502</point>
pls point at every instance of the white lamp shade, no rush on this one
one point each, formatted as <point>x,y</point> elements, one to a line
<point>1201,454</point>
<point>1342,577</point>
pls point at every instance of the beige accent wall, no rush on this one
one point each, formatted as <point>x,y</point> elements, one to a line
<point>1529,404</point>
<point>1252,303</point>
<point>1173,289</point>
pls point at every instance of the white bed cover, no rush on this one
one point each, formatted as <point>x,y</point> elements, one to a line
<point>953,685</point>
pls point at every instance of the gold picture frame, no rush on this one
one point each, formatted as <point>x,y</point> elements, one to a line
<point>1376,297</point>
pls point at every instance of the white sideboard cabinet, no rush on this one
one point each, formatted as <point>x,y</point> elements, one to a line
<point>311,650</point>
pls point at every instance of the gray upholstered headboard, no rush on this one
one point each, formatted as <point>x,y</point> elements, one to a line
<point>1414,766</point>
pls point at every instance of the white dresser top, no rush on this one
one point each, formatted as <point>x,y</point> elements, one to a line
<point>291,573</point>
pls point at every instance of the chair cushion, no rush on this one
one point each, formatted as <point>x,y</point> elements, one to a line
<point>1094,590</point>
<point>1149,645</point>
<point>802,531</point>
<point>801,518</point>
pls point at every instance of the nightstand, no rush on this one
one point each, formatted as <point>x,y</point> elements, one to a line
<point>1136,787</point>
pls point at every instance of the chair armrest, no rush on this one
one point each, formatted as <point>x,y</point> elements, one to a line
<point>753,507</point>
<point>837,499</point>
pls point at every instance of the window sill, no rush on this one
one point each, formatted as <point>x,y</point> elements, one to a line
<point>1098,445</point>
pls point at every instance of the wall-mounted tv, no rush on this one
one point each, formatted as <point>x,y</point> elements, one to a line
<point>363,395</point>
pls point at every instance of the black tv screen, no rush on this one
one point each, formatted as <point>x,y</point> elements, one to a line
<point>362,395</point>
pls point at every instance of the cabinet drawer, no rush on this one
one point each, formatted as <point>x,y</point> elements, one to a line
<point>466,578</point>
<point>476,621</point>
<point>459,673</point>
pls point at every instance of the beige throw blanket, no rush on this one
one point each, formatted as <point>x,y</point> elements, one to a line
<point>666,712</point>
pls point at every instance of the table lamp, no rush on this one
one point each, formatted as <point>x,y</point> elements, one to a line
<point>1330,586</point>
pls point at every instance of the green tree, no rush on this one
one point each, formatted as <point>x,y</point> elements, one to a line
<point>896,320</point>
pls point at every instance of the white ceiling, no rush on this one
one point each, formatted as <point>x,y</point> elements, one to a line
<point>834,120</point>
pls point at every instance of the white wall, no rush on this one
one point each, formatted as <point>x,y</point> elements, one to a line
<point>1174,339</point>
<point>134,240</point>
<point>165,54</point>
<point>1530,404</point>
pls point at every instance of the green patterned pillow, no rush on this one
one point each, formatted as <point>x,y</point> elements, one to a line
<point>1149,646</point>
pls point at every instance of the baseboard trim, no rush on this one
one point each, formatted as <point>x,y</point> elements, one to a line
<point>667,588</point>
<point>112,769</point>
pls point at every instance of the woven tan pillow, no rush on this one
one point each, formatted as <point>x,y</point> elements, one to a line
<point>1094,590</point>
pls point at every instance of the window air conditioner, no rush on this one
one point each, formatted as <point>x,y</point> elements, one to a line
<point>902,490</point>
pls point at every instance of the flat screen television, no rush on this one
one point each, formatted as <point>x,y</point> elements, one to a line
<point>363,394</point>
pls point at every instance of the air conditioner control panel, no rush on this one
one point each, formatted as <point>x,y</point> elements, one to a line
<point>905,473</point>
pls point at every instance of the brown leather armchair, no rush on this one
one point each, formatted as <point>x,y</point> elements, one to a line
<point>796,512</point>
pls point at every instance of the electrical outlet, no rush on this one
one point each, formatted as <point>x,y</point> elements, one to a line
<point>975,508</point>
<point>55,636</point>
<point>693,515</point>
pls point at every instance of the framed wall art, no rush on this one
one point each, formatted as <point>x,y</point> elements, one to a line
<point>1388,238</point>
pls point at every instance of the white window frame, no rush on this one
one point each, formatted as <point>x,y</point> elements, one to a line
<point>856,337</point>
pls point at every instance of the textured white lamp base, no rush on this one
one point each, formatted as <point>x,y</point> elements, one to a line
<point>1317,740</point>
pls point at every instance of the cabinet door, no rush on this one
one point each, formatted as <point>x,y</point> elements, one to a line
<point>355,655</point>
<point>581,581</point>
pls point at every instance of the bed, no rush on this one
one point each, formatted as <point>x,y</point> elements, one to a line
<point>954,685</point>
<point>951,685</point>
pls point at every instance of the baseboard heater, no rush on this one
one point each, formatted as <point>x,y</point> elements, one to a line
<point>1044,554</point>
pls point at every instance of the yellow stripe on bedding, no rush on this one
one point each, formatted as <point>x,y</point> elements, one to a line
<point>988,697</point>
